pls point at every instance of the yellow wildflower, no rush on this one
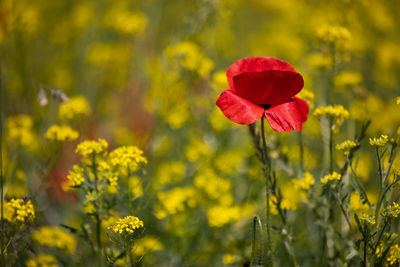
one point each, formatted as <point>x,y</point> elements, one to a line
<point>171,172</point>
<point>307,181</point>
<point>127,158</point>
<point>331,177</point>
<point>135,186</point>
<point>19,129</point>
<point>336,114</point>
<point>368,218</point>
<point>393,255</point>
<point>340,36</point>
<point>191,57</point>
<point>379,142</point>
<point>127,225</point>
<point>197,149</point>
<point>174,201</point>
<point>356,203</point>
<point>229,258</point>
<point>55,237</point>
<point>220,215</point>
<point>398,101</point>
<point>42,260</point>
<point>347,79</point>
<point>75,107</point>
<point>19,210</point>
<point>346,146</point>
<point>125,21</point>
<point>319,61</point>
<point>88,147</point>
<point>392,210</point>
<point>75,176</point>
<point>61,133</point>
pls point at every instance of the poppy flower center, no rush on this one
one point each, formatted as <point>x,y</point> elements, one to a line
<point>265,106</point>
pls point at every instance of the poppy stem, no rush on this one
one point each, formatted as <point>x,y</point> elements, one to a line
<point>267,175</point>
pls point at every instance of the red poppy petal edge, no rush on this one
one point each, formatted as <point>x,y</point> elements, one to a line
<point>238,109</point>
<point>288,116</point>
<point>256,64</point>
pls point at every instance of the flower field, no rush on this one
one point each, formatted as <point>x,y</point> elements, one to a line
<point>199,133</point>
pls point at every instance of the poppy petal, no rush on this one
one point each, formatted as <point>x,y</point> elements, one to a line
<point>272,87</point>
<point>288,116</point>
<point>256,64</point>
<point>238,109</point>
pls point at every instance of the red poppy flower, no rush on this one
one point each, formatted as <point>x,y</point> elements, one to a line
<point>264,86</point>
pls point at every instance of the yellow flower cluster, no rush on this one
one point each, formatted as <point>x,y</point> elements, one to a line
<point>61,133</point>
<point>88,147</point>
<point>127,158</point>
<point>336,114</point>
<point>174,201</point>
<point>42,260</point>
<point>393,255</point>
<point>75,107</point>
<point>319,61</point>
<point>190,57</point>
<point>379,142</point>
<point>331,177</point>
<point>392,210</point>
<point>306,182</point>
<point>334,35</point>
<point>220,215</point>
<point>197,149</point>
<point>214,186</point>
<point>229,258</point>
<point>19,210</point>
<point>125,21</point>
<point>127,225</point>
<point>55,237</point>
<point>347,79</point>
<point>398,101</point>
<point>170,172</point>
<point>346,146</point>
<point>370,219</point>
<point>19,129</point>
<point>75,176</point>
<point>357,204</point>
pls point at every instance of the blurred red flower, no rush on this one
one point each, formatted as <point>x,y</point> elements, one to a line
<point>264,86</point>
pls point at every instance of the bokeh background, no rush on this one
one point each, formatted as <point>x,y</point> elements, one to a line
<point>148,74</point>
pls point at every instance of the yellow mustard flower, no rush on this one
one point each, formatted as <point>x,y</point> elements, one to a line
<point>336,114</point>
<point>19,129</point>
<point>42,260</point>
<point>75,176</point>
<point>170,172</point>
<point>393,255</point>
<point>174,201</point>
<point>392,210</point>
<point>334,35</point>
<point>127,158</point>
<point>307,181</point>
<point>229,258</point>
<point>75,107</point>
<point>61,133</point>
<point>126,225</point>
<point>331,177</point>
<point>220,215</point>
<point>347,79</point>
<point>346,146</point>
<point>55,237</point>
<point>88,147</point>
<point>398,101</point>
<point>19,210</point>
<point>379,142</point>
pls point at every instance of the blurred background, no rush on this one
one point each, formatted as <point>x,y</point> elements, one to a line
<point>148,73</point>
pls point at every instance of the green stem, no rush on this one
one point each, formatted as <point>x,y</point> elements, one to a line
<point>267,175</point>
<point>2,254</point>
<point>378,204</point>
<point>330,147</point>
<point>300,135</point>
<point>97,216</point>
<point>256,221</point>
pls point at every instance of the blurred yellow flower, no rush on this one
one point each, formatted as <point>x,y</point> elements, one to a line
<point>19,129</point>
<point>42,260</point>
<point>55,237</point>
<point>75,107</point>
<point>61,133</point>
<point>347,79</point>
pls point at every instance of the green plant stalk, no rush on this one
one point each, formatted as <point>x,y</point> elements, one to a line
<point>97,217</point>
<point>2,253</point>
<point>330,147</point>
<point>267,174</point>
<point>379,203</point>
<point>256,221</point>
<point>301,155</point>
